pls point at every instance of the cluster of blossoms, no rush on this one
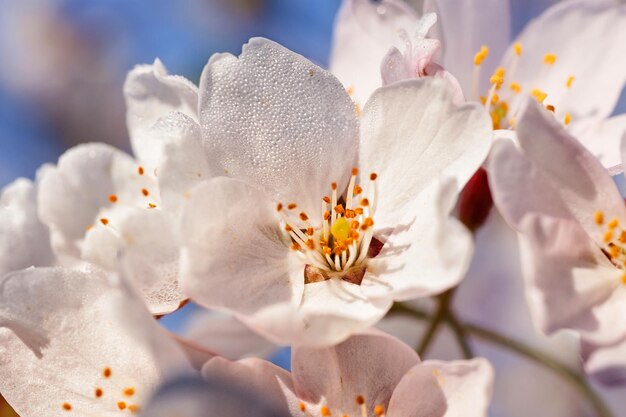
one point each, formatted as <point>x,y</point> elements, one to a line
<point>302,203</point>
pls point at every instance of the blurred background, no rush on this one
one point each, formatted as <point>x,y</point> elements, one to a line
<point>64,61</point>
<point>63,64</point>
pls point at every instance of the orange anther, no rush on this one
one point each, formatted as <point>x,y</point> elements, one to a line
<point>310,231</point>
<point>357,190</point>
<point>355,171</point>
<point>339,209</point>
<point>333,185</point>
<point>113,198</point>
<point>598,217</point>
<point>302,407</point>
<point>326,199</point>
<point>365,202</point>
<point>326,215</point>
<point>133,408</point>
<point>279,206</point>
<point>104,221</point>
<point>129,392</point>
<point>121,405</point>
<point>98,392</point>
<point>325,411</point>
<point>350,214</point>
<point>310,244</point>
<point>379,410</point>
<point>140,170</point>
<point>106,372</point>
<point>145,192</point>
<point>304,217</point>
<point>295,246</point>
<point>373,176</point>
<point>151,205</point>
<point>67,406</point>
<point>291,206</point>
<point>360,400</point>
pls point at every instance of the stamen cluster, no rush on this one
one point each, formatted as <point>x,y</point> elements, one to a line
<point>343,239</point>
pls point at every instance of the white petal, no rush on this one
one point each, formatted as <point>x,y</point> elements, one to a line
<point>235,255</point>
<point>411,133</point>
<point>467,385</point>
<point>428,253</point>
<point>329,313</point>
<point>182,161</point>
<point>274,119</point>
<point>151,93</point>
<point>61,329</point>
<point>604,139</point>
<point>364,32</point>
<point>226,336</point>
<point>24,240</point>
<point>463,27</point>
<point>587,38</point>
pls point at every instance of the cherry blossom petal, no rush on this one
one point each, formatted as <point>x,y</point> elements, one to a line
<point>24,240</point>
<point>603,139</point>
<point>572,30</point>
<point>226,336</point>
<point>467,385</point>
<point>364,33</point>
<point>559,167</point>
<point>77,340</point>
<point>411,133</point>
<point>418,394</point>
<point>329,313</point>
<point>256,375</point>
<point>194,397</point>
<point>151,93</point>
<point>605,363</point>
<point>272,118</point>
<point>428,252</point>
<point>235,256</point>
<point>571,283</point>
<point>182,162</point>
<point>369,365</point>
<point>463,27</point>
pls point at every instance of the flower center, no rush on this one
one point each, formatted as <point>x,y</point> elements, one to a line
<point>614,238</point>
<point>339,247</point>
<point>504,86</point>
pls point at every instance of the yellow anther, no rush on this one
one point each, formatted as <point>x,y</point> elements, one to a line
<point>570,81</point>
<point>480,56</point>
<point>612,224</point>
<point>494,99</point>
<point>539,95</point>
<point>622,237</point>
<point>549,59</point>
<point>516,88</point>
<point>498,80</point>
<point>517,48</point>
<point>133,408</point>
<point>567,119</point>
<point>624,278</point>
<point>613,251</point>
<point>340,229</point>
<point>483,100</point>
<point>500,71</point>
<point>598,217</point>
<point>608,236</point>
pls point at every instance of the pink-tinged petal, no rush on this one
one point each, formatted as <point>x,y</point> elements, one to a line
<point>274,119</point>
<point>467,385</point>
<point>463,27</point>
<point>428,252</point>
<point>226,336</point>
<point>24,240</point>
<point>418,394</point>
<point>604,139</point>
<point>364,33</point>
<point>195,397</point>
<point>77,339</point>
<point>368,365</point>
<point>571,283</point>
<point>235,256</point>
<point>519,188</point>
<point>255,375</point>
<point>411,134</point>
<point>151,93</point>
<point>561,178</point>
<point>330,311</point>
<point>587,38</point>
<point>606,363</point>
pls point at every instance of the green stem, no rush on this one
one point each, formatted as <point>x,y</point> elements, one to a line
<point>575,378</point>
<point>461,335</point>
<point>436,321</point>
